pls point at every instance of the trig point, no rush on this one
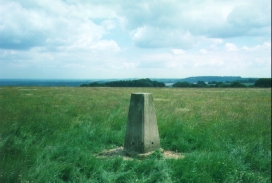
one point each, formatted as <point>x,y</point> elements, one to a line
<point>142,134</point>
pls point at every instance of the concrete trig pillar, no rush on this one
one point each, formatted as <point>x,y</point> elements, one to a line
<point>142,134</point>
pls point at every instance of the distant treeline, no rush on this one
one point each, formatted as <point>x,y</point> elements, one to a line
<point>129,83</point>
<point>199,84</point>
<point>262,82</point>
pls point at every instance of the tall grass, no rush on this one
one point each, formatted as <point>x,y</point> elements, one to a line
<point>53,134</point>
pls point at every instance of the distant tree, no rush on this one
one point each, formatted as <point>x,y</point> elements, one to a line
<point>220,85</point>
<point>158,84</point>
<point>250,80</point>
<point>237,84</point>
<point>94,84</point>
<point>212,82</point>
<point>263,82</point>
<point>182,84</point>
<point>201,84</point>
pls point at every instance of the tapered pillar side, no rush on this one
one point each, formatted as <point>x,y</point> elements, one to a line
<point>150,133</point>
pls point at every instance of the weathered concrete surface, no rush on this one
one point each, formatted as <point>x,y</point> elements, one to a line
<point>142,134</point>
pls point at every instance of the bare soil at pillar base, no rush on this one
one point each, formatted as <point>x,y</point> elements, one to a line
<point>120,152</point>
<point>56,134</point>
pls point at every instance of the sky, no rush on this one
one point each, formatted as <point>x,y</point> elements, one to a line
<point>99,39</point>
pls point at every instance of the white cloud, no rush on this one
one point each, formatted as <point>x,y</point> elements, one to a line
<point>109,45</point>
<point>216,40</point>
<point>231,47</point>
<point>203,51</point>
<point>246,48</point>
<point>264,46</point>
<point>154,37</point>
<point>54,25</point>
<point>267,44</point>
<point>129,65</point>
<point>177,51</point>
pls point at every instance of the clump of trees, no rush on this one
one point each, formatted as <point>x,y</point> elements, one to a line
<point>94,84</point>
<point>202,84</point>
<point>182,84</point>
<point>187,84</point>
<point>263,82</point>
<point>127,83</point>
<point>235,84</point>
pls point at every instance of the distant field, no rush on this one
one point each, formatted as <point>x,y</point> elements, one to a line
<point>53,134</point>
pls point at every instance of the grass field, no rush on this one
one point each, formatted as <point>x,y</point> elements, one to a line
<point>52,134</point>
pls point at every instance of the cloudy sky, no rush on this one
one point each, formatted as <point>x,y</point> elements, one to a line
<point>78,39</point>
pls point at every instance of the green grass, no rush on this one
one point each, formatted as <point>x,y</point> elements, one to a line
<point>52,134</point>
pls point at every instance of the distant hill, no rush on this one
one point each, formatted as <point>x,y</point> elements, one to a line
<point>212,78</point>
<point>209,79</point>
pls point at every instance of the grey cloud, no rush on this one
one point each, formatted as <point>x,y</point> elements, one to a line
<point>248,16</point>
<point>150,13</point>
<point>21,29</point>
<point>249,20</point>
<point>21,38</point>
<point>214,19</point>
